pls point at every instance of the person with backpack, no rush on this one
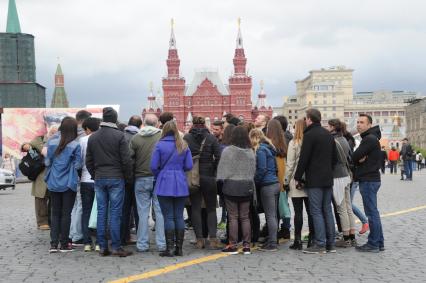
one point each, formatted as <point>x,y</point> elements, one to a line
<point>419,159</point>
<point>35,172</point>
<point>276,134</point>
<point>62,161</point>
<point>203,144</point>
<point>169,162</point>
<point>342,185</point>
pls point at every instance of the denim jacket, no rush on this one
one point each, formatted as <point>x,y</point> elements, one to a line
<point>61,170</point>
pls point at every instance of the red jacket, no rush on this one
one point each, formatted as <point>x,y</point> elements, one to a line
<point>393,155</point>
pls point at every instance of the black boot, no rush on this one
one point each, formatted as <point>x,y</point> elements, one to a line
<point>179,242</point>
<point>170,243</point>
<point>310,240</point>
<point>297,245</point>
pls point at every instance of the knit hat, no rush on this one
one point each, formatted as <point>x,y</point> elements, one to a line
<point>109,115</point>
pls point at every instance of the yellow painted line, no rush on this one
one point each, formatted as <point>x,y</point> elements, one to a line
<point>173,267</point>
<point>404,211</point>
<point>170,268</point>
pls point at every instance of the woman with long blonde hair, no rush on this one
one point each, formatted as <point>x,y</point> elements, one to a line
<point>298,196</point>
<point>267,182</point>
<point>170,160</point>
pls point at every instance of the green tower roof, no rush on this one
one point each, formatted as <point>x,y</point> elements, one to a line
<point>13,25</point>
<point>59,70</point>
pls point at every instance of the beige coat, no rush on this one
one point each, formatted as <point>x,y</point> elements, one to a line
<point>293,154</point>
<point>39,187</point>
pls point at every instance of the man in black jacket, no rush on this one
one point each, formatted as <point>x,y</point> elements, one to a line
<point>367,161</point>
<point>407,156</point>
<point>108,162</point>
<point>317,159</point>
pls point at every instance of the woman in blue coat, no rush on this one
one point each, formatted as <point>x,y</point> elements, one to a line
<point>170,160</point>
<point>62,162</point>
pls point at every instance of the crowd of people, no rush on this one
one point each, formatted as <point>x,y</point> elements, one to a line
<point>407,159</point>
<point>123,175</point>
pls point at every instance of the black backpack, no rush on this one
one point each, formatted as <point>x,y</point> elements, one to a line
<point>32,164</point>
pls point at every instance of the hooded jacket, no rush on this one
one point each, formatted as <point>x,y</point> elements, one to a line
<point>141,147</point>
<point>368,171</point>
<point>266,167</point>
<point>211,151</point>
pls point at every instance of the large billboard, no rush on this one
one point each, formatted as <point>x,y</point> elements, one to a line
<point>21,125</point>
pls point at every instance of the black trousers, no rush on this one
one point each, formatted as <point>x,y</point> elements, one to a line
<point>298,217</point>
<point>61,207</point>
<point>129,205</point>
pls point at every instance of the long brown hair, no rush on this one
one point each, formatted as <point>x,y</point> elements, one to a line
<point>257,137</point>
<point>68,130</point>
<point>299,127</point>
<point>275,133</point>
<point>170,128</point>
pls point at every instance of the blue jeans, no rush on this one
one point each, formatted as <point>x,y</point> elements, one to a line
<point>322,215</point>
<point>87,191</point>
<point>408,167</point>
<point>109,192</point>
<point>144,194</point>
<point>355,208</point>
<point>76,228</point>
<point>172,209</point>
<point>368,192</point>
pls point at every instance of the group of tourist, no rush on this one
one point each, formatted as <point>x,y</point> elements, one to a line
<point>124,174</point>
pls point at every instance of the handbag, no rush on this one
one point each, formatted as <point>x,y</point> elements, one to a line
<point>93,220</point>
<point>238,188</point>
<point>283,206</point>
<point>193,176</point>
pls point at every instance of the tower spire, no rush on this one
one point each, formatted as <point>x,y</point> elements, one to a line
<point>13,25</point>
<point>172,42</point>
<point>239,36</point>
<point>59,99</point>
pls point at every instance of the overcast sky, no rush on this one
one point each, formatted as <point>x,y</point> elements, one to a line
<point>110,50</point>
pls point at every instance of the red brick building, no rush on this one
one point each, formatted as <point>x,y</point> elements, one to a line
<point>207,96</point>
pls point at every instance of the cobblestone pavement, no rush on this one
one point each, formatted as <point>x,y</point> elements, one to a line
<point>24,253</point>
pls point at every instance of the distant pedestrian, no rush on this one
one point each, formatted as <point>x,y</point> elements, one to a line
<point>407,157</point>
<point>367,173</point>
<point>393,157</point>
<point>383,159</point>
<point>419,160</point>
